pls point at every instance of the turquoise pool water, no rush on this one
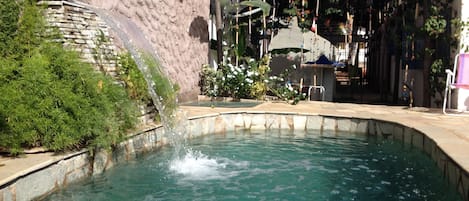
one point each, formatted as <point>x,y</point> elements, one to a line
<point>260,166</point>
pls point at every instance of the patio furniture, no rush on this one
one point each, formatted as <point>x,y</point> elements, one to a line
<point>322,90</point>
<point>458,78</point>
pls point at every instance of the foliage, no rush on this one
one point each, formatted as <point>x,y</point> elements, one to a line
<point>210,81</point>
<point>437,75</point>
<point>333,11</point>
<point>52,99</point>
<point>9,17</point>
<point>245,81</point>
<point>294,10</point>
<point>237,80</point>
<point>461,27</point>
<point>56,101</point>
<point>435,25</point>
<point>257,3</point>
<point>166,90</point>
<point>281,87</point>
<point>251,81</point>
<point>261,69</point>
<point>135,83</point>
<point>100,53</point>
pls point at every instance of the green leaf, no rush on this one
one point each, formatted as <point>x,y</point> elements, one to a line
<point>259,4</point>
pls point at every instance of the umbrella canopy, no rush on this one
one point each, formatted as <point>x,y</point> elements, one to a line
<point>293,39</point>
<point>288,38</point>
<point>323,60</point>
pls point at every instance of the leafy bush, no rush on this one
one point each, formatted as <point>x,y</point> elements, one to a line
<point>261,69</point>
<point>166,90</point>
<point>135,83</point>
<point>248,82</point>
<point>209,81</point>
<point>50,98</point>
<point>9,17</point>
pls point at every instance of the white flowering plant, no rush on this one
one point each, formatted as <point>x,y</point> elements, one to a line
<point>237,81</point>
<point>281,87</point>
<point>210,80</point>
<point>248,80</point>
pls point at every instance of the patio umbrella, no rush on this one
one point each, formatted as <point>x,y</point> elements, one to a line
<point>288,38</point>
<point>292,39</point>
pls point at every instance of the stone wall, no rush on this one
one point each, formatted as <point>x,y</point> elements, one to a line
<point>57,174</point>
<point>177,30</point>
<point>84,32</point>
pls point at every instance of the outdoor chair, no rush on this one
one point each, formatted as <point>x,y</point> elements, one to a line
<point>313,86</point>
<point>458,78</point>
<point>322,91</point>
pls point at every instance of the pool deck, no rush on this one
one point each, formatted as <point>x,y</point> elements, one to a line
<point>451,133</point>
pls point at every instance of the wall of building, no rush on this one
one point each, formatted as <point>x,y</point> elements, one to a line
<point>177,30</point>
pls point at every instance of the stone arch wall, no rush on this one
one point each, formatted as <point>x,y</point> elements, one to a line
<point>177,30</point>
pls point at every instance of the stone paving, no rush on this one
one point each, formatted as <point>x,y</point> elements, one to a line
<point>450,133</point>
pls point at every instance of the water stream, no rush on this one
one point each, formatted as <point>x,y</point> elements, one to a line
<point>173,120</point>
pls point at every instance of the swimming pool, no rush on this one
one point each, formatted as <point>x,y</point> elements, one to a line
<point>273,165</point>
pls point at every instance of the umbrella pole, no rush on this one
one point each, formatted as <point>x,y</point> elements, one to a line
<point>237,34</point>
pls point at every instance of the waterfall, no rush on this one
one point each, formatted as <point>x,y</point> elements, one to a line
<point>173,120</point>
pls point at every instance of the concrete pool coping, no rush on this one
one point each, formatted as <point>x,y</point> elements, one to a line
<point>449,133</point>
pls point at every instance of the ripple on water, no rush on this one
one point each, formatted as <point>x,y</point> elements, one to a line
<point>257,167</point>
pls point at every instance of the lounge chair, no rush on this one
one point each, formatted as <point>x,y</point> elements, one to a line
<point>458,78</point>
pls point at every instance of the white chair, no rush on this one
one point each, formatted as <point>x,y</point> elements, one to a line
<point>322,90</point>
<point>458,78</point>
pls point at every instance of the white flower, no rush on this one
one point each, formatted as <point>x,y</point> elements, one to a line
<point>293,66</point>
<point>249,81</point>
<point>224,43</point>
<point>251,60</point>
<point>249,73</point>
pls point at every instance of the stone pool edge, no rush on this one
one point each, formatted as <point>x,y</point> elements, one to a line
<point>54,174</point>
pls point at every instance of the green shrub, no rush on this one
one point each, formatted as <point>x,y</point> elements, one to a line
<point>9,17</point>
<point>50,98</point>
<point>166,90</point>
<point>135,83</point>
<point>210,80</point>
<point>56,101</point>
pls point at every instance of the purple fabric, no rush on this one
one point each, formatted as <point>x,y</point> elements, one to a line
<point>463,70</point>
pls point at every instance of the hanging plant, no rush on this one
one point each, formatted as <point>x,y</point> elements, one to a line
<point>435,25</point>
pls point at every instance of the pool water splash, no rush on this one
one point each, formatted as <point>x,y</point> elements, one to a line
<point>195,165</point>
